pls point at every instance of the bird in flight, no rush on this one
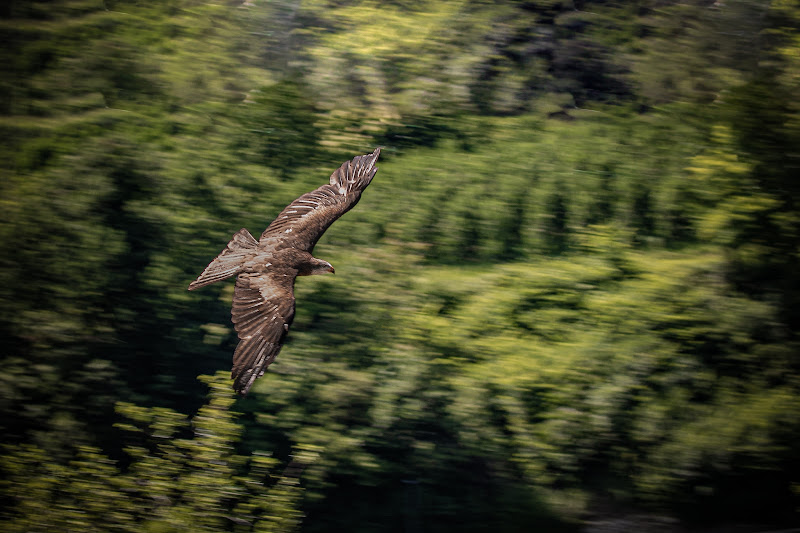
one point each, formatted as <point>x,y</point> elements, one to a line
<point>265,269</point>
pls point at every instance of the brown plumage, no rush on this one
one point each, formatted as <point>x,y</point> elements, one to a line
<point>263,300</point>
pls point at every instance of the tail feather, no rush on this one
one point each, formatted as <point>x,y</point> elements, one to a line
<point>229,262</point>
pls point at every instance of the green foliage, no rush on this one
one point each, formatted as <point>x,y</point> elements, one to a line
<point>571,375</point>
<point>279,127</point>
<point>571,288</point>
<point>171,482</point>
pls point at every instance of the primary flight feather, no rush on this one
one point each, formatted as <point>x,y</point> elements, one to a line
<point>263,299</point>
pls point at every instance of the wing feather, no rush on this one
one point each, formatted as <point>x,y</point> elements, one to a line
<point>307,218</point>
<point>263,310</point>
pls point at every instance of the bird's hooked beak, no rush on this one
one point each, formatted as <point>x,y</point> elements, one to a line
<point>316,266</point>
<point>331,270</point>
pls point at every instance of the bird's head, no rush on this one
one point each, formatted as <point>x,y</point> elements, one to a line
<point>320,267</point>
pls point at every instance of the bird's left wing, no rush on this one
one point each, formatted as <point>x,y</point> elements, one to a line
<point>307,218</point>
<point>263,310</point>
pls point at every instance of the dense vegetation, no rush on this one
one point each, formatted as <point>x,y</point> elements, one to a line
<point>571,292</point>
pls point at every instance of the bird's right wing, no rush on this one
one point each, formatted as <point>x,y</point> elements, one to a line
<point>263,310</point>
<point>306,219</point>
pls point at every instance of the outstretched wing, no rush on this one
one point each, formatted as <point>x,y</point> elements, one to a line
<point>307,218</point>
<point>263,310</point>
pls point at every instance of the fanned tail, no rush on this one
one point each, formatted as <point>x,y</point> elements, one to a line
<point>229,262</point>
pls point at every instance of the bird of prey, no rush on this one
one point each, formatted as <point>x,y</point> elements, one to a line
<point>263,300</point>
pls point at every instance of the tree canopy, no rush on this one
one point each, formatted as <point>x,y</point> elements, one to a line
<point>570,294</point>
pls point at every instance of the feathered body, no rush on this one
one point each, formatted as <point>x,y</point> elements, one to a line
<point>263,299</point>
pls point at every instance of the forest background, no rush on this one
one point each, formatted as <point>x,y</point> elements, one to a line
<point>571,293</point>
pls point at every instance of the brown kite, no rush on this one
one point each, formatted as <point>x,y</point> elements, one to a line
<point>263,300</point>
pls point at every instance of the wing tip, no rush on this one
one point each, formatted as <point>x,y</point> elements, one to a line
<point>243,381</point>
<point>366,166</point>
<point>373,157</point>
<point>241,388</point>
<point>357,172</point>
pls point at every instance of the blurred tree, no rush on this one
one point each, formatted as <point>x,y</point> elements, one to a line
<point>170,481</point>
<point>642,215</point>
<point>279,127</point>
<point>510,229</point>
<point>601,209</point>
<point>555,231</point>
<point>509,392</point>
<point>693,51</point>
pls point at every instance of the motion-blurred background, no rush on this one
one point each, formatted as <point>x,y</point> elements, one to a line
<point>568,301</point>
